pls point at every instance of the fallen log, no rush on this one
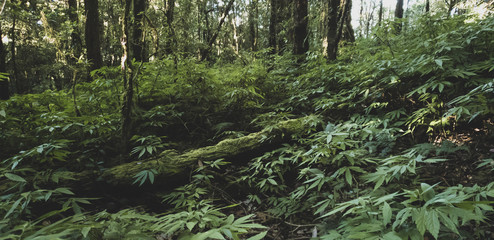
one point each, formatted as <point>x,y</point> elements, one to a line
<point>170,164</point>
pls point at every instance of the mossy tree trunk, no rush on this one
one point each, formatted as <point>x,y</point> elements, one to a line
<point>170,165</point>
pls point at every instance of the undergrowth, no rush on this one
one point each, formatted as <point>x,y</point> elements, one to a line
<point>387,161</point>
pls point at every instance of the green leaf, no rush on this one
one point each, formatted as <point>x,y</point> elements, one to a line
<point>439,63</point>
<point>258,236</point>
<point>64,190</point>
<point>348,177</point>
<point>14,206</point>
<point>2,113</point>
<point>387,213</point>
<point>432,223</point>
<point>191,225</point>
<point>391,236</point>
<point>14,177</point>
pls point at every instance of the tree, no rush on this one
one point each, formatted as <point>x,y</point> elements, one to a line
<point>75,37</point>
<point>331,38</point>
<point>253,35</point>
<point>138,43</point>
<point>380,17</point>
<point>301,42</point>
<point>170,38</point>
<point>4,83</point>
<point>273,25</point>
<point>128,81</point>
<point>92,35</point>
<point>398,16</point>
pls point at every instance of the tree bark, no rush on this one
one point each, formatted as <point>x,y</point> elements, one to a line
<point>380,17</point>
<point>427,6</point>
<point>75,36</point>
<point>331,38</point>
<point>301,41</point>
<point>92,35</point>
<point>4,82</point>
<point>172,166</point>
<point>127,80</point>
<point>398,16</point>
<point>138,43</point>
<point>253,24</point>
<point>273,28</point>
<point>212,39</point>
<point>170,32</point>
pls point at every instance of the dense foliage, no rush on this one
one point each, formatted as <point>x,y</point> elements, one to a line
<point>402,145</point>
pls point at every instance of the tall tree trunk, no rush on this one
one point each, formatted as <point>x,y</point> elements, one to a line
<point>212,39</point>
<point>348,33</point>
<point>300,14</point>
<point>253,24</point>
<point>273,26</point>
<point>427,6</point>
<point>331,38</point>
<point>92,35</point>
<point>17,84</point>
<point>170,36</point>
<point>380,19</point>
<point>398,16</point>
<point>127,80</point>
<point>138,42</point>
<point>75,36</point>
<point>4,82</point>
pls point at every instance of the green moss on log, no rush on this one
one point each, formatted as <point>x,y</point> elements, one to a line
<point>169,164</point>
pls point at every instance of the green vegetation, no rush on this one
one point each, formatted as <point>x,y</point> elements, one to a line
<point>393,140</point>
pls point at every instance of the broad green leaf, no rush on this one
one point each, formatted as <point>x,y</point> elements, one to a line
<point>14,177</point>
<point>387,213</point>
<point>2,113</point>
<point>432,223</point>
<point>391,236</point>
<point>14,206</point>
<point>439,63</point>
<point>258,236</point>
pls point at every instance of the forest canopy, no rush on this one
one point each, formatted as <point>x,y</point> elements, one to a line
<point>246,119</point>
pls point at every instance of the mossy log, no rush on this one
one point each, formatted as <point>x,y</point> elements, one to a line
<point>170,164</point>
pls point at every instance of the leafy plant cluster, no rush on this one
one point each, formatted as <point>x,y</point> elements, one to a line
<point>367,171</point>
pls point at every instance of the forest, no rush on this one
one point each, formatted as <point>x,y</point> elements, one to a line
<point>246,119</point>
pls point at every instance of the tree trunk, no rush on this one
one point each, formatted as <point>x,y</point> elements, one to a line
<point>4,82</point>
<point>128,81</point>
<point>253,24</point>
<point>138,42</point>
<point>172,166</point>
<point>331,38</point>
<point>380,19</point>
<point>170,32</point>
<point>301,41</point>
<point>93,42</point>
<point>348,33</point>
<point>398,16</point>
<point>212,39</point>
<point>427,6</point>
<point>273,28</point>
<point>75,37</point>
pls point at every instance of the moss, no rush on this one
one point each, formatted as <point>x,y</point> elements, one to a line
<point>170,163</point>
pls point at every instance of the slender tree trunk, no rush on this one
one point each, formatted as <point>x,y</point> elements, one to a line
<point>273,28</point>
<point>13,60</point>
<point>75,36</point>
<point>93,41</point>
<point>213,38</point>
<point>4,83</point>
<point>348,33</point>
<point>138,42</point>
<point>379,21</point>
<point>127,80</point>
<point>170,36</point>
<point>332,29</point>
<point>253,24</point>
<point>301,41</point>
<point>398,16</point>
